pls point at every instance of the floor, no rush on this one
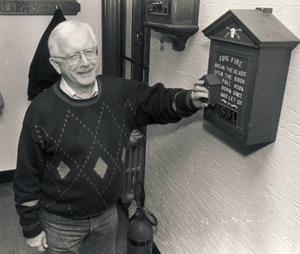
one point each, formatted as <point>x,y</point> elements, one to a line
<point>11,238</point>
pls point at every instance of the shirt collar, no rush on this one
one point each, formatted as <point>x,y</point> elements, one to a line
<point>70,91</point>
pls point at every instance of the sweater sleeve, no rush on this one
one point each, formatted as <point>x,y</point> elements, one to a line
<point>183,103</point>
<point>159,105</point>
<point>27,182</point>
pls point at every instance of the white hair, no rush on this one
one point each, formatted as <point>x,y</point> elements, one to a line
<point>65,30</point>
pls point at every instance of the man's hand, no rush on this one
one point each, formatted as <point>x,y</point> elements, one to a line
<point>39,242</point>
<point>200,95</point>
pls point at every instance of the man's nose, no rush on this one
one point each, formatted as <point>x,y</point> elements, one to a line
<point>83,60</point>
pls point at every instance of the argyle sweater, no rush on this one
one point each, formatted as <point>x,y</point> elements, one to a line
<point>71,152</point>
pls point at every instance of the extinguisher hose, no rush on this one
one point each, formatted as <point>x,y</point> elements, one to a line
<point>148,215</point>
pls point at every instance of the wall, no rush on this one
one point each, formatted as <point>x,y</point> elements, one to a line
<point>20,36</point>
<point>210,194</point>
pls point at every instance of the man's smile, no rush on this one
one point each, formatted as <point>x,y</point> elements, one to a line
<point>84,72</point>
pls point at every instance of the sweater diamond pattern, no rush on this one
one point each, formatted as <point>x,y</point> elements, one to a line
<point>101,168</point>
<point>63,170</point>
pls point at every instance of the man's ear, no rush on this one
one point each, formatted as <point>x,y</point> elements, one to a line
<point>55,65</point>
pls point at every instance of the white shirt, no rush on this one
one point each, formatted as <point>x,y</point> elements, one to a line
<point>70,91</point>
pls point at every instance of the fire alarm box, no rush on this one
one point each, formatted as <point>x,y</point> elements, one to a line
<point>177,18</point>
<point>250,53</point>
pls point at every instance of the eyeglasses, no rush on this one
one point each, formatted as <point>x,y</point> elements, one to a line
<point>74,58</point>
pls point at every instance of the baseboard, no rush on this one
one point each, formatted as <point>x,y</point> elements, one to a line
<point>7,176</point>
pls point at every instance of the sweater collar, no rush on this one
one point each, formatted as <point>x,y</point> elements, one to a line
<point>71,92</point>
<point>78,102</point>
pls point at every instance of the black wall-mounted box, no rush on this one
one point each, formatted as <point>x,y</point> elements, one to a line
<point>250,52</point>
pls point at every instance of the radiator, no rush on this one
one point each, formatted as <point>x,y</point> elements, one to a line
<point>134,165</point>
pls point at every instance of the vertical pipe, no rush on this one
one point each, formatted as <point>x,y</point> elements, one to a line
<point>111,37</point>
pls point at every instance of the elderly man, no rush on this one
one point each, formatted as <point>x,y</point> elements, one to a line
<point>73,141</point>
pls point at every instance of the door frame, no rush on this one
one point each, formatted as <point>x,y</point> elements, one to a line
<point>113,40</point>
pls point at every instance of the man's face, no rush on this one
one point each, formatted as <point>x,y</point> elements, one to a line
<point>83,74</point>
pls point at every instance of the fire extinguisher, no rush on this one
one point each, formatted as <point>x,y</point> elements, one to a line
<point>140,229</point>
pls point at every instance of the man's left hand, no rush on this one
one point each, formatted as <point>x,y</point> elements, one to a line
<point>200,95</point>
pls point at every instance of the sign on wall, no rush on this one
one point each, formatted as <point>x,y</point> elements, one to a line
<point>36,7</point>
<point>232,67</point>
